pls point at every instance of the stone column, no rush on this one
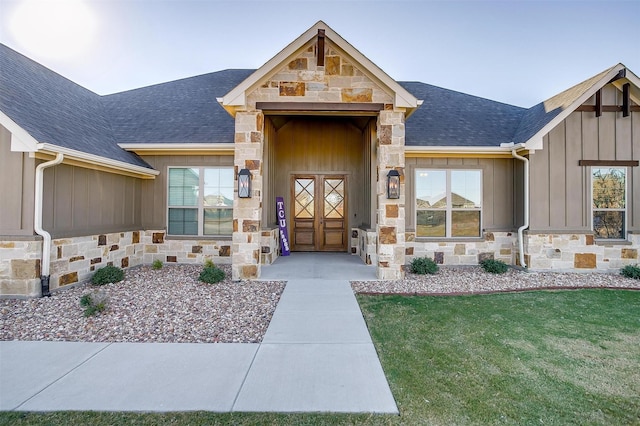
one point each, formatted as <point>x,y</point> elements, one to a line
<point>390,224</point>
<point>247,212</point>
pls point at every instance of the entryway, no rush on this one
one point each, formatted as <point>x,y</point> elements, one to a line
<point>319,212</point>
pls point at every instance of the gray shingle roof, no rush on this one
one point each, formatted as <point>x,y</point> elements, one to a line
<point>181,111</point>
<point>450,118</point>
<point>56,110</point>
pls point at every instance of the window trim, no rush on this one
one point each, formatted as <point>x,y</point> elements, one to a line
<point>200,206</point>
<point>625,210</point>
<point>449,209</point>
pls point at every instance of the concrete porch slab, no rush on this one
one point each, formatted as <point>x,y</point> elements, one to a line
<point>316,378</point>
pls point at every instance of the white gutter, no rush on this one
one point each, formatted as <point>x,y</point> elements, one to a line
<point>37,224</point>
<point>486,150</point>
<point>526,203</point>
<point>97,159</point>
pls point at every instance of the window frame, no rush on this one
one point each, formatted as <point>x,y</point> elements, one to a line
<point>625,210</point>
<point>449,209</point>
<point>200,204</point>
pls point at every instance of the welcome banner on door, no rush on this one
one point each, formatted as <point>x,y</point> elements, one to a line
<point>282,224</point>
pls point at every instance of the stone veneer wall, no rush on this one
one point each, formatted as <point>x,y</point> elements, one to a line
<point>247,212</point>
<point>269,246</point>
<point>390,214</point>
<point>579,252</point>
<point>74,260</point>
<point>364,244</point>
<point>495,245</point>
<point>302,80</point>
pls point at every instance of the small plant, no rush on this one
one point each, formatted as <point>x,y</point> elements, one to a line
<point>106,275</point>
<point>631,271</point>
<point>209,263</point>
<point>494,266</point>
<point>157,264</point>
<point>424,265</point>
<point>94,303</point>
<point>211,275</point>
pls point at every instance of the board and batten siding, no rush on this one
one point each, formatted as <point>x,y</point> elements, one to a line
<point>322,145</point>
<point>498,206</point>
<point>17,179</point>
<point>154,192</point>
<point>78,201</point>
<point>560,198</point>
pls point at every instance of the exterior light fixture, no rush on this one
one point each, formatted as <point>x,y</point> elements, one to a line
<point>244,183</point>
<point>393,184</point>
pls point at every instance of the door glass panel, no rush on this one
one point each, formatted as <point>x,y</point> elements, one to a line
<point>334,198</point>
<point>304,199</point>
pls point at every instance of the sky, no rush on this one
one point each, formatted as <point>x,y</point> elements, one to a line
<point>517,52</point>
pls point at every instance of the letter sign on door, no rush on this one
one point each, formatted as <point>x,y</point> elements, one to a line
<point>282,224</point>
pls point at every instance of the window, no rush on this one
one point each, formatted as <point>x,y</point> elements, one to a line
<point>200,201</point>
<point>609,195</point>
<point>448,203</point>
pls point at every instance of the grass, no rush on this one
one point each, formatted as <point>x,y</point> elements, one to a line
<point>567,357</point>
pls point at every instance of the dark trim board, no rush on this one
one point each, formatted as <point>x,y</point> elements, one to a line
<point>319,107</point>
<point>614,163</point>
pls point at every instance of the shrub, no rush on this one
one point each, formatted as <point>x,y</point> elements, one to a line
<point>211,275</point>
<point>157,264</point>
<point>106,275</point>
<point>423,265</point>
<point>494,266</point>
<point>209,263</point>
<point>94,303</point>
<point>631,271</point>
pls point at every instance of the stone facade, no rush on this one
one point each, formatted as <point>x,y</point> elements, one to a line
<point>390,213</point>
<point>73,260</point>
<point>494,245</point>
<point>364,243</point>
<point>269,246</point>
<point>247,212</point>
<point>302,80</point>
<point>579,252</point>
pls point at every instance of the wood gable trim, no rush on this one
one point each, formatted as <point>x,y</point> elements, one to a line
<point>237,96</point>
<point>535,141</point>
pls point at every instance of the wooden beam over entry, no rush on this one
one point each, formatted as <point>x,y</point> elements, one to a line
<point>300,107</point>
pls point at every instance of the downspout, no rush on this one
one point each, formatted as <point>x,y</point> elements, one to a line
<point>526,205</point>
<point>37,224</point>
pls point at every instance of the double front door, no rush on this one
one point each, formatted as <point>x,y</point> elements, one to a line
<point>319,212</point>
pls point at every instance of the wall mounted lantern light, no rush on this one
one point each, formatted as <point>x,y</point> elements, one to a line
<point>244,183</point>
<point>393,184</point>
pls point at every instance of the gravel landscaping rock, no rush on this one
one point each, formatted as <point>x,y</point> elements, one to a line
<point>171,305</point>
<point>473,279</point>
<point>166,305</point>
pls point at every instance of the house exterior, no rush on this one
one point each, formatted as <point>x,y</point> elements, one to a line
<point>153,173</point>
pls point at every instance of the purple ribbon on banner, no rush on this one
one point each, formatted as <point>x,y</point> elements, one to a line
<point>282,224</point>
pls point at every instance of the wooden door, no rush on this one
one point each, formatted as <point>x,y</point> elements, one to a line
<point>319,213</point>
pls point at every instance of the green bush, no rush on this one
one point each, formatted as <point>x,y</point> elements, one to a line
<point>211,275</point>
<point>631,271</point>
<point>424,265</point>
<point>106,275</point>
<point>157,264</point>
<point>93,303</point>
<point>209,263</point>
<point>494,266</point>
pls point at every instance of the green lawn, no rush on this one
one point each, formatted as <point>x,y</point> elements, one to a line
<point>566,357</point>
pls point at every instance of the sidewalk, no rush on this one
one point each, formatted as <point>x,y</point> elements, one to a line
<point>317,355</point>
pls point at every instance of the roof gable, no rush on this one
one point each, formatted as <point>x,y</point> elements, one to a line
<point>540,119</point>
<point>309,42</point>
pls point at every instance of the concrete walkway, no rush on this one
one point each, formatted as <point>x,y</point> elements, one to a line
<point>317,355</point>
